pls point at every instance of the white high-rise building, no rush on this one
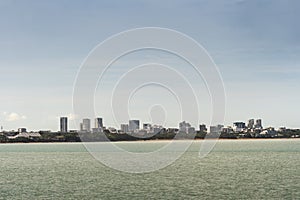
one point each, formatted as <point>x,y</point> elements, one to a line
<point>124,128</point>
<point>86,125</point>
<point>134,125</point>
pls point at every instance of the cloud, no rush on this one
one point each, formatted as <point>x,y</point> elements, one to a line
<point>14,117</point>
<point>72,116</point>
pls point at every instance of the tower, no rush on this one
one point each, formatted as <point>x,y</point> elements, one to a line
<point>250,124</point>
<point>86,125</point>
<point>99,123</point>
<point>134,125</point>
<point>64,124</point>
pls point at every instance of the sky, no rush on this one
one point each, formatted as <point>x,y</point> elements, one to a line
<point>254,43</point>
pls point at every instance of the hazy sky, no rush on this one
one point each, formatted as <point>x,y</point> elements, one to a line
<point>254,43</point>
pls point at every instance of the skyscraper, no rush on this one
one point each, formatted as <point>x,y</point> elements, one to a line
<point>124,128</point>
<point>250,124</point>
<point>64,124</point>
<point>134,125</point>
<point>86,125</point>
<point>202,128</point>
<point>99,123</point>
<point>258,124</point>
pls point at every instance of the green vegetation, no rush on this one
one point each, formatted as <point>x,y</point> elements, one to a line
<point>164,134</point>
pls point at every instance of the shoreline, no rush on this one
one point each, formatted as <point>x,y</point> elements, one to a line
<point>155,140</point>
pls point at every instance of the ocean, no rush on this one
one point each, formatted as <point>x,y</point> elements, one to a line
<point>235,169</point>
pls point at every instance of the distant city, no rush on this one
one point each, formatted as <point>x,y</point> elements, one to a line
<point>134,131</point>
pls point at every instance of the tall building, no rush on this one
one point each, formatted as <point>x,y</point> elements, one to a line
<point>64,124</point>
<point>86,125</point>
<point>134,125</point>
<point>99,123</point>
<point>202,128</point>
<point>81,127</point>
<point>124,128</point>
<point>186,127</point>
<point>258,124</point>
<point>250,124</point>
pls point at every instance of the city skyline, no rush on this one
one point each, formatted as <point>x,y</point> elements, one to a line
<point>135,125</point>
<point>86,125</point>
<point>42,52</point>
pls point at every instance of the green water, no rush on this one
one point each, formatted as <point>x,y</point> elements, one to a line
<point>241,169</point>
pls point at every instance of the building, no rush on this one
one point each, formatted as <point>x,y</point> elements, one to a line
<point>239,126</point>
<point>282,129</point>
<point>213,129</point>
<point>250,124</point>
<point>258,124</point>
<point>97,130</point>
<point>124,128</point>
<point>268,132</point>
<point>156,129</point>
<point>191,130</point>
<point>186,127</point>
<point>30,135</point>
<point>81,127</point>
<point>202,128</point>
<point>134,125</point>
<point>22,130</point>
<point>183,126</point>
<point>99,123</point>
<point>64,124</point>
<point>86,125</point>
<point>147,126</point>
<point>216,129</point>
<point>227,129</point>
<point>220,127</point>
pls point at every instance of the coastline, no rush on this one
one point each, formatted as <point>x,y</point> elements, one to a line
<point>150,140</point>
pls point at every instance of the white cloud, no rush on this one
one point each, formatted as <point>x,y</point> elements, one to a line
<point>72,116</point>
<point>14,117</point>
